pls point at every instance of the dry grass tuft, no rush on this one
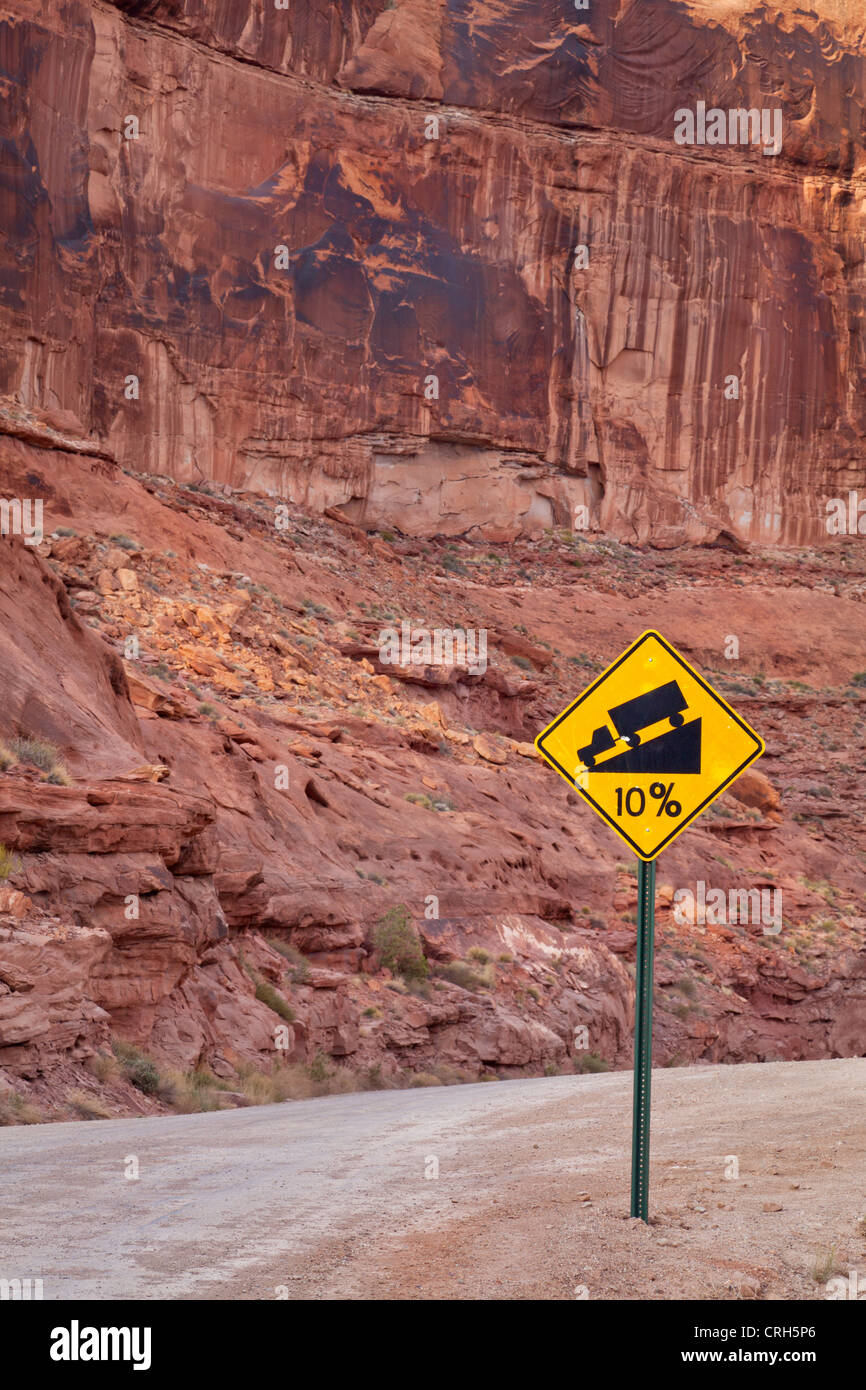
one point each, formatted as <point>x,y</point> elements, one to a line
<point>88,1106</point>
<point>15,1110</point>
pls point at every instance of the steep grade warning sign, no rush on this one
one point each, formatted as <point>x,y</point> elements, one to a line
<point>649,745</point>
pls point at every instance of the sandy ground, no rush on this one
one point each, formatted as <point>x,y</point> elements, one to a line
<point>340,1198</point>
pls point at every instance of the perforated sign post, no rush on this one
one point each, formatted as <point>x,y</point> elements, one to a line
<point>650,746</point>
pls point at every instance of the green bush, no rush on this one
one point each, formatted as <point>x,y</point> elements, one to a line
<point>590,1062</point>
<point>318,1070</point>
<point>452,564</point>
<point>138,1068</point>
<point>144,1075</point>
<point>398,945</point>
<point>268,995</point>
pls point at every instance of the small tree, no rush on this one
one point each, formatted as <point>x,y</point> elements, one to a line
<point>399,946</point>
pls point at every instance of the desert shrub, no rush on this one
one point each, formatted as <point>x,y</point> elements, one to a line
<point>139,1069</point>
<point>323,1079</point>
<point>295,1081</point>
<point>104,1066</point>
<point>398,945</point>
<point>248,970</point>
<point>590,1062</point>
<point>825,1265</point>
<point>15,1110</point>
<point>144,1075</point>
<point>59,777</point>
<point>460,972</point>
<point>451,1076</point>
<point>9,864</point>
<point>190,1092</point>
<point>266,993</point>
<point>301,973</point>
<point>87,1106</point>
<point>422,989</point>
<point>40,753</point>
<point>373,1078</point>
<point>318,1068</point>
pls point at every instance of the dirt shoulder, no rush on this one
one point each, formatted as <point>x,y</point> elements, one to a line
<point>537,1199</point>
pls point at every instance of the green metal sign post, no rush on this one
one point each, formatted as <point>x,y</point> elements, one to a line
<point>649,746</point>
<point>643,1038</point>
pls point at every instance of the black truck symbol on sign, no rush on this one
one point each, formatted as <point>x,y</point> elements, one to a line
<point>665,702</point>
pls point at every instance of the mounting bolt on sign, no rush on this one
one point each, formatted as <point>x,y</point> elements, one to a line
<point>650,745</point>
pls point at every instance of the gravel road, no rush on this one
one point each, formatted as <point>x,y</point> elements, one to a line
<point>515,1189</point>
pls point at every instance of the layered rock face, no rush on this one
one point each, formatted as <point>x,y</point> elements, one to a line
<point>145,911</point>
<point>251,790</point>
<point>446,265</point>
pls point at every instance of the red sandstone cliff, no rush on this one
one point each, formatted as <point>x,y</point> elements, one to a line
<point>560,384</point>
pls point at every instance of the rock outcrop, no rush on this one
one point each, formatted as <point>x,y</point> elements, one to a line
<point>213,791</point>
<point>444,267</point>
<point>275,277</point>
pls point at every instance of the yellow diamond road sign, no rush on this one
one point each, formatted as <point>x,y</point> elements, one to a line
<point>649,745</point>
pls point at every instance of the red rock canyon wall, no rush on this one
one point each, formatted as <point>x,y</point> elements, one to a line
<point>596,379</point>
